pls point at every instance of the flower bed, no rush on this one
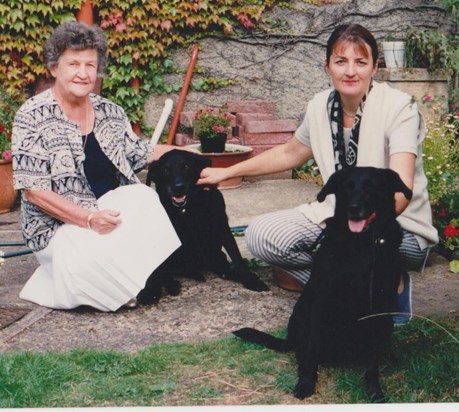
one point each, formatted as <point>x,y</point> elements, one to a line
<point>441,164</point>
<point>9,105</point>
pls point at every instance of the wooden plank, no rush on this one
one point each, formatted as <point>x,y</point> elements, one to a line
<point>17,327</point>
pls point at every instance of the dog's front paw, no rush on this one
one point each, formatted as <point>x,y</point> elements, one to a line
<point>173,287</point>
<point>378,397</point>
<point>304,388</point>
<point>149,296</point>
<point>374,391</point>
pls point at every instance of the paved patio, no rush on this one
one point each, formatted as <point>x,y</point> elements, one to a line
<point>203,311</point>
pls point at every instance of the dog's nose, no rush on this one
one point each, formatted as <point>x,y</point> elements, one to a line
<point>354,209</point>
<point>178,186</point>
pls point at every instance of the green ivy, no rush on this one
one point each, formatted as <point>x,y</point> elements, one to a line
<point>453,7</point>
<point>24,28</point>
<point>141,35</point>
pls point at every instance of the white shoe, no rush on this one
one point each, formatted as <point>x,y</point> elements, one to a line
<point>132,303</point>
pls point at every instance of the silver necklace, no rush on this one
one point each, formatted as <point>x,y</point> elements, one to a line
<point>85,137</point>
<point>351,116</point>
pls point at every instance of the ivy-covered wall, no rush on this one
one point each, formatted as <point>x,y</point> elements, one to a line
<point>282,59</point>
<point>249,49</point>
<point>141,34</point>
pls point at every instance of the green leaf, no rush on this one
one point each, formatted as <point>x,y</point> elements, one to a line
<point>197,85</point>
<point>126,59</point>
<point>454,266</point>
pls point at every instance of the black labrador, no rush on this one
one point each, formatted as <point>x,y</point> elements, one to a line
<point>345,307</point>
<point>199,217</point>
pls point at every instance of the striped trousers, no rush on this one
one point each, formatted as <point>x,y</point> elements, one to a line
<point>284,239</point>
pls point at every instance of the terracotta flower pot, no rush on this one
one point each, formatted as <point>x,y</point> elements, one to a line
<point>7,192</point>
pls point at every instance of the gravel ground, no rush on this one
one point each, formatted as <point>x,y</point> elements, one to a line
<point>202,311</point>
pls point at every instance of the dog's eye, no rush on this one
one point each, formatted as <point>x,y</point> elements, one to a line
<point>186,167</point>
<point>167,171</point>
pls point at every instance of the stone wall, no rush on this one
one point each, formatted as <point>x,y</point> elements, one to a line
<point>288,68</point>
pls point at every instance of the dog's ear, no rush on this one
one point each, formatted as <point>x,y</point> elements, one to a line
<point>333,184</point>
<point>153,170</point>
<point>201,161</point>
<point>395,183</point>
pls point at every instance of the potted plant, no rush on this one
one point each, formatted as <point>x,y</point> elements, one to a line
<point>211,127</point>
<point>9,104</point>
<point>438,53</point>
<point>394,51</point>
<point>430,49</point>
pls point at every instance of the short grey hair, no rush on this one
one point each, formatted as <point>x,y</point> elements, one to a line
<point>75,36</point>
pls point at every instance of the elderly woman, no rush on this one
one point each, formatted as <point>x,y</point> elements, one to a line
<point>96,232</point>
<point>356,122</point>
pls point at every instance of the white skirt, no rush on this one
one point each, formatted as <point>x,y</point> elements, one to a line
<point>81,267</point>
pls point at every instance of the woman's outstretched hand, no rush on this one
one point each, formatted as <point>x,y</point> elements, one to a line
<point>212,175</point>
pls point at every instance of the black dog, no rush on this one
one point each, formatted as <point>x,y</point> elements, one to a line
<point>355,275</point>
<point>199,218</point>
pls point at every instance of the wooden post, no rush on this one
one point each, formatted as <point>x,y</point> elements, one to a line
<point>135,84</point>
<point>86,13</point>
<point>182,97</point>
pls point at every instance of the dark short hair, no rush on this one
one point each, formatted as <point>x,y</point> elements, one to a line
<point>353,33</point>
<point>75,36</point>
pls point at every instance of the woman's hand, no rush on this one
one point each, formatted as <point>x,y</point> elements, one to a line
<point>212,175</point>
<point>103,221</point>
<point>277,159</point>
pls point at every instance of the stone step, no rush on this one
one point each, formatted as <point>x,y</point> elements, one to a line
<point>270,126</point>
<point>251,139</point>
<point>251,106</point>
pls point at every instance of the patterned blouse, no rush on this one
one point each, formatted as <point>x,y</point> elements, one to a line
<point>48,155</point>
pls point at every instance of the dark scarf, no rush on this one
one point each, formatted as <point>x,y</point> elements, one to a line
<point>343,158</point>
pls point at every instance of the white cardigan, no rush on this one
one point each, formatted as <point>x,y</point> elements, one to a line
<point>385,109</point>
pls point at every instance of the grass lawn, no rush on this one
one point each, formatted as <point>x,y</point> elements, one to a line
<point>228,372</point>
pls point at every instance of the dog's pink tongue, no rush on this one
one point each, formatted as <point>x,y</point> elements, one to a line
<point>178,199</point>
<point>356,226</point>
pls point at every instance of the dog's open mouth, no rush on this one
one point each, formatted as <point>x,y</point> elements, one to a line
<point>179,201</point>
<point>358,226</point>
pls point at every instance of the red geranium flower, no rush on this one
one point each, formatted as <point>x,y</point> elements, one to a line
<point>451,231</point>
